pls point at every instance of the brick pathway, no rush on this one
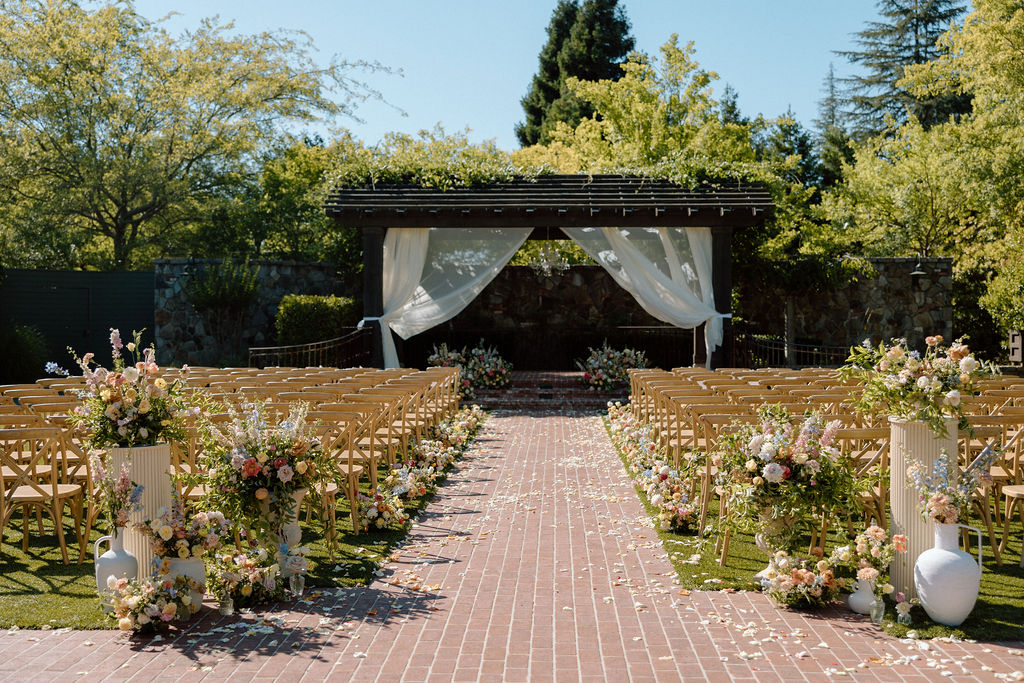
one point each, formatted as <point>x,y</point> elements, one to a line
<point>534,562</point>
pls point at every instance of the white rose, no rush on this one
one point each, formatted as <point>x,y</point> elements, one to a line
<point>968,364</point>
<point>923,382</point>
<point>953,398</point>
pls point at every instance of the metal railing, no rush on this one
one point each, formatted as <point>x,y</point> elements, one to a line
<point>353,349</point>
<point>763,352</point>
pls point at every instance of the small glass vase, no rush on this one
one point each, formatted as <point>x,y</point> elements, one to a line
<point>877,610</point>
<point>226,606</point>
<point>297,584</point>
<point>903,618</point>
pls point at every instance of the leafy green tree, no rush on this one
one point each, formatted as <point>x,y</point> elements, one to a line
<point>784,138</point>
<point>112,131</point>
<point>656,110</point>
<point>905,35</point>
<point>587,41</point>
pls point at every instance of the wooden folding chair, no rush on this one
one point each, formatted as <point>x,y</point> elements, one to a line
<point>30,462</point>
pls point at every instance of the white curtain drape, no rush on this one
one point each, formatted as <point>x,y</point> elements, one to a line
<point>667,270</point>
<point>431,274</point>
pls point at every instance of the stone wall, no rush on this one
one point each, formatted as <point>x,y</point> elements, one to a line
<point>891,303</point>
<point>544,323</point>
<point>180,334</point>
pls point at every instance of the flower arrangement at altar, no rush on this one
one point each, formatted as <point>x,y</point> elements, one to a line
<point>382,509</point>
<point>143,605</point>
<point>906,384</point>
<point>247,578</point>
<point>945,491</point>
<point>868,557</point>
<point>254,463</point>
<point>667,489</point>
<point>486,368</point>
<point>800,582</point>
<point>778,474</point>
<point>130,404</point>
<point>606,369</point>
<point>176,532</point>
<point>481,367</point>
<point>117,498</point>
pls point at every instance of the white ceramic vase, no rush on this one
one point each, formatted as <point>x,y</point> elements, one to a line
<point>193,568</point>
<point>116,562</point>
<point>912,440</point>
<point>860,600</point>
<point>947,578</point>
<point>149,466</point>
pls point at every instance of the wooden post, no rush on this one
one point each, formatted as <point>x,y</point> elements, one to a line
<point>373,289</point>
<point>721,279</point>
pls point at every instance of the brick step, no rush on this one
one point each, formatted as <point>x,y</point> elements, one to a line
<point>545,391</point>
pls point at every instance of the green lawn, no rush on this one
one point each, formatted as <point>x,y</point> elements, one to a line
<point>998,615</point>
<point>38,591</point>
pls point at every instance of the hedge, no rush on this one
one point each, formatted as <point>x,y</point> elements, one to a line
<point>303,318</point>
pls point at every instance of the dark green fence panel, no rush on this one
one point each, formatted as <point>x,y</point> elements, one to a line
<point>78,308</point>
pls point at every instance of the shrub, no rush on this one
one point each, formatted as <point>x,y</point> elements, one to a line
<point>303,318</point>
<point>605,368</point>
<point>24,356</point>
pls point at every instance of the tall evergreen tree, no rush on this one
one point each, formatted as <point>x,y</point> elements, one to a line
<point>588,41</point>
<point>729,107</point>
<point>905,35</point>
<point>833,141</point>
<point>546,85</point>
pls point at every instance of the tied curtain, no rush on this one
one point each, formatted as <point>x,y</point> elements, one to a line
<point>667,270</point>
<point>431,274</point>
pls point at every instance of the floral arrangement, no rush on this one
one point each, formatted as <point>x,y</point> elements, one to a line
<point>247,578</point>
<point>382,509</point>
<point>778,474</point>
<point>667,488</point>
<point>118,498</point>
<point>912,386</point>
<point>254,464</point>
<point>143,605</point>
<point>606,369</point>
<point>131,404</point>
<point>173,533</point>
<point>486,368</point>
<point>410,482</point>
<point>481,367</point>
<point>800,582</point>
<point>868,557</point>
<point>945,491</point>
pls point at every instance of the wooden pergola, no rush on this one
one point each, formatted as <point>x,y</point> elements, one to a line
<point>548,203</point>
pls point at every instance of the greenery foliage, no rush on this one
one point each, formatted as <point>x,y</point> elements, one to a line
<point>113,131</point>
<point>303,318</point>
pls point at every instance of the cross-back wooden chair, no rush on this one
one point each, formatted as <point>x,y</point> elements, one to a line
<point>30,463</point>
<point>336,431</point>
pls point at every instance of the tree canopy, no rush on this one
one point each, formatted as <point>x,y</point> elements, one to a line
<point>113,131</point>
<point>586,41</point>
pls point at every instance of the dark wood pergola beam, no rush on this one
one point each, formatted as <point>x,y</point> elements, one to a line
<point>548,203</point>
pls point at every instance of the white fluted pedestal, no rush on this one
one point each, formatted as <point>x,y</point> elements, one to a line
<point>149,466</point>
<point>911,440</point>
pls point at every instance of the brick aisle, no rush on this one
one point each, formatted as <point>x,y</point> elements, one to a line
<point>534,562</point>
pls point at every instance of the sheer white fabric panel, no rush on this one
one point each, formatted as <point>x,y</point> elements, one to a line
<point>667,270</point>
<point>451,267</point>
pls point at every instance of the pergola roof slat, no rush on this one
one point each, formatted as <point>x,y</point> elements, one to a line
<point>553,201</point>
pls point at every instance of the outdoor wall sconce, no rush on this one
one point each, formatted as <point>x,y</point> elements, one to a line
<point>918,270</point>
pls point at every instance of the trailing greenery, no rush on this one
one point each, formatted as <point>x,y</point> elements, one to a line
<point>24,354</point>
<point>305,318</point>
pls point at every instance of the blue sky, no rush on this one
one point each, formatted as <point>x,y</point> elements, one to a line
<point>468,62</point>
